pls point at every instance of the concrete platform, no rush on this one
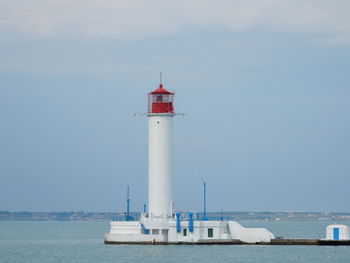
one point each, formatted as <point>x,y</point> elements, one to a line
<point>274,242</point>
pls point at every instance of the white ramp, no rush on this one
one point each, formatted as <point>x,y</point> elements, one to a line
<point>249,235</point>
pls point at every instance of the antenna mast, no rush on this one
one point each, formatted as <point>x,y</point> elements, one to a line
<point>127,206</point>
<point>205,202</point>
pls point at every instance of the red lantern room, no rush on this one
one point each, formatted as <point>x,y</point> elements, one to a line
<point>160,101</point>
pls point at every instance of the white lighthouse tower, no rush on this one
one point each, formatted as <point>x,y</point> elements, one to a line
<point>160,121</point>
<point>159,225</point>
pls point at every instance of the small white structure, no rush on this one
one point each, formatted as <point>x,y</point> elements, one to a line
<point>337,232</point>
<point>160,225</point>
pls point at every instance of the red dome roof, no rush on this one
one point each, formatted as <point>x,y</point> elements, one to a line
<point>160,90</point>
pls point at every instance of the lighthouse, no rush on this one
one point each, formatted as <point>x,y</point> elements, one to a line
<point>160,113</point>
<point>159,225</point>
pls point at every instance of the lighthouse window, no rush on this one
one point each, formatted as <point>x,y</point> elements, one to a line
<point>159,98</point>
<point>210,232</point>
<point>155,231</point>
<point>185,232</point>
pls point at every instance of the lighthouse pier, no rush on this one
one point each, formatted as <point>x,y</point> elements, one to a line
<point>157,230</point>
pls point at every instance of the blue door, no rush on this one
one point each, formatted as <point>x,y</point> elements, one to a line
<point>336,233</point>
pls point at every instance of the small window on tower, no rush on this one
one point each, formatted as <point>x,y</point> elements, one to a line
<point>210,232</point>
<point>185,232</point>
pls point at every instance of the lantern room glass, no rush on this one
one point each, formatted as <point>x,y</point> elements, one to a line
<point>160,99</point>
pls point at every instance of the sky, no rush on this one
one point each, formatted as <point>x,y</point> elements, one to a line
<point>264,84</point>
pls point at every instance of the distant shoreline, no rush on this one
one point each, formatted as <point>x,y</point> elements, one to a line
<point>238,216</point>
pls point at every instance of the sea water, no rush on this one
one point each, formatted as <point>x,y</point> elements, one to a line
<point>50,242</point>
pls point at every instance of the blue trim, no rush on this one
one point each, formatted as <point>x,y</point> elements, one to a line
<point>336,233</point>
<point>144,230</point>
<point>190,221</point>
<point>178,223</point>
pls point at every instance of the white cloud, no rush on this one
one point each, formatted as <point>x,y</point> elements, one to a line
<point>139,18</point>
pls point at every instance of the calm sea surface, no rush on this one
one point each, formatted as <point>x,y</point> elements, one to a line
<point>83,242</point>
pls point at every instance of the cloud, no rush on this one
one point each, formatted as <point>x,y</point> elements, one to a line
<point>140,18</point>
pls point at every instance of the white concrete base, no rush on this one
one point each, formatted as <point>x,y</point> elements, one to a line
<point>165,230</point>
